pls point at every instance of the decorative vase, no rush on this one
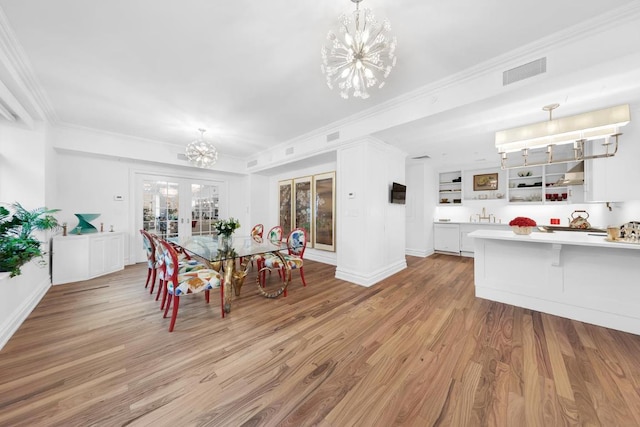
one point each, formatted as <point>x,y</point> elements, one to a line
<point>225,242</point>
<point>521,230</point>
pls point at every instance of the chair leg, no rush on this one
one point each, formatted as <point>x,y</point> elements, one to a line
<point>159,289</point>
<point>206,296</point>
<point>153,281</point>
<point>164,295</point>
<point>166,309</point>
<point>302,276</point>
<point>174,314</point>
<point>148,277</point>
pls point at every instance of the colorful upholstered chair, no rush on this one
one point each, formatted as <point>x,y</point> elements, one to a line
<point>296,244</point>
<point>185,265</point>
<point>179,283</point>
<point>152,264</point>
<point>274,236</point>
<point>256,232</point>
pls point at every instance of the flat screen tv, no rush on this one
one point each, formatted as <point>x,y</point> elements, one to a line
<point>398,193</point>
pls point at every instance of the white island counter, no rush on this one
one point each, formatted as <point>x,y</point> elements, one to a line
<point>569,274</point>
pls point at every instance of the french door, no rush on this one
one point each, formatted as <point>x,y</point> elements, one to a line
<point>176,208</point>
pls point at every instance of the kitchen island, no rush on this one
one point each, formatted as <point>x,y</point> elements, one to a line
<point>570,274</point>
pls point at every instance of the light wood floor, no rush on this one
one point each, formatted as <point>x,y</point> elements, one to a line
<point>417,349</point>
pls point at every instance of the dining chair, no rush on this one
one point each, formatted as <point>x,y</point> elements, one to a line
<point>179,284</point>
<point>152,264</point>
<point>256,232</point>
<point>296,245</point>
<point>185,264</point>
<point>274,236</point>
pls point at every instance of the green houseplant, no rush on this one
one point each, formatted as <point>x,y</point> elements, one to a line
<point>18,245</point>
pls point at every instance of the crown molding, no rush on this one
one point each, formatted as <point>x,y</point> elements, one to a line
<point>14,59</point>
<point>590,27</point>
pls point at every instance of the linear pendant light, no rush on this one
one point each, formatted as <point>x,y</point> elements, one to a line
<point>600,124</point>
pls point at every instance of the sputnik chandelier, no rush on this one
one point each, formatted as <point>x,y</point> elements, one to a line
<point>360,54</point>
<point>202,153</point>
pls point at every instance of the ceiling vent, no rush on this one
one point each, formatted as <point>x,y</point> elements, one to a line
<point>333,136</point>
<point>252,163</point>
<point>288,151</point>
<point>525,71</point>
<point>426,156</point>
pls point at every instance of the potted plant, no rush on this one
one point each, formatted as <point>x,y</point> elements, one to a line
<point>18,245</point>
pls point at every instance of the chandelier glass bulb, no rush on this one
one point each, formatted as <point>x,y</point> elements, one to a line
<point>360,54</point>
<point>202,153</point>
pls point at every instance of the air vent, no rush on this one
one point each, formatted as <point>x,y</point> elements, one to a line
<point>181,156</point>
<point>252,163</point>
<point>426,156</point>
<point>525,71</point>
<point>333,136</point>
<point>288,151</point>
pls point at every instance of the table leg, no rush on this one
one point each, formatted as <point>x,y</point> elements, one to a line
<point>229,265</point>
<point>239,274</point>
<point>286,279</point>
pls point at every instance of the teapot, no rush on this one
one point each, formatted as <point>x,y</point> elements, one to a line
<point>579,221</point>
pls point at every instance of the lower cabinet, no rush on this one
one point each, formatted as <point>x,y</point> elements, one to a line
<point>446,238</point>
<point>76,258</point>
<point>454,238</point>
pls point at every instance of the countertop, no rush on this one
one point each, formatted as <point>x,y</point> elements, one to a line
<point>470,223</point>
<point>557,237</point>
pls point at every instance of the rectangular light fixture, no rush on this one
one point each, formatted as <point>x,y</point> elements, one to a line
<point>581,127</point>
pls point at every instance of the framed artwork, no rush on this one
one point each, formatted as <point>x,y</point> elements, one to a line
<point>302,206</point>
<point>487,181</point>
<point>324,192</point>
<point>285,203</point>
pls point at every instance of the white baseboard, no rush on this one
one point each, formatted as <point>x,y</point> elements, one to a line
<point>321,256</point>
<point>422,253</point>
<point>20,314</point>
<point>370,279</point>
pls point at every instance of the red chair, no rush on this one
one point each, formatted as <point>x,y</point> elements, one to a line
<point>152,264</point>
<point>296,244</point>
<point>179,283</point>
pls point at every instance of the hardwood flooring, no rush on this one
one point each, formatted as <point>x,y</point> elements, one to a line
<point>417,349</point>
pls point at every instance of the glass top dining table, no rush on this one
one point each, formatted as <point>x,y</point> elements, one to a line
<point>242,249</point>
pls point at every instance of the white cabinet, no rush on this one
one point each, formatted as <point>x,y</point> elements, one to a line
<point>446,238</point>
<point>467,243</point>
<point>76,258</point>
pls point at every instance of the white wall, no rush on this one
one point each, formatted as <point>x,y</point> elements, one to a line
<point>421,193</point>
<point>22,179</point>
<point>370,230</point>
<point>88,183</point>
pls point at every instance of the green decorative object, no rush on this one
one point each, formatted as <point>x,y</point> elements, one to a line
<point>83,226</point>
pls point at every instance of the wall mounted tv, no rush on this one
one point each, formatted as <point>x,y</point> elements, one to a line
<point>398,193</point>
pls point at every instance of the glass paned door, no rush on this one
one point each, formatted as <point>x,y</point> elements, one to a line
<point>161,207</point>
<point>204,209</point>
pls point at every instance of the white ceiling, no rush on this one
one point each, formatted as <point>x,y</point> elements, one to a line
<point>249,71</point>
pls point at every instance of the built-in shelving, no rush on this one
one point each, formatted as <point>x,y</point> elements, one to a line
<point>540,184</point>
<point>450,188</point>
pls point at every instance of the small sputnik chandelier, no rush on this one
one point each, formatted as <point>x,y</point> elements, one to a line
<point>202,153</point>
<point>361,54</point>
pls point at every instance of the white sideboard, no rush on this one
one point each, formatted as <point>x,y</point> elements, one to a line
<point>76,258</point>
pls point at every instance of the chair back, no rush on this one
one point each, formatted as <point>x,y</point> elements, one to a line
<point>159,254</point>
<point>149,247</point>
<point>256,232</point>
<point>297,242</point>
<point>170,265</point>
<point>275,234</point>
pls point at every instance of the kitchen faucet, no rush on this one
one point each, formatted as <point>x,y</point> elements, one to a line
<point>485,216</point>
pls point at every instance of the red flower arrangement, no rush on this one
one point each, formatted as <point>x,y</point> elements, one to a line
<point>522,221</point>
